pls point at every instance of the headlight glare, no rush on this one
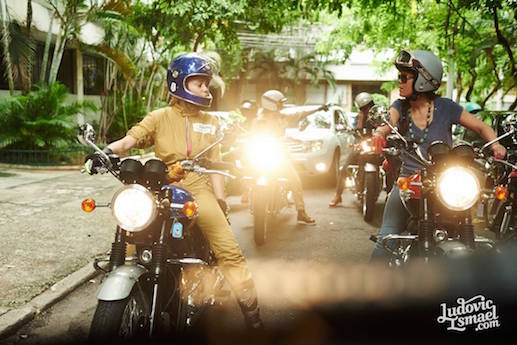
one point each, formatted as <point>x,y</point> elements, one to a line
<point>365,146</point>
<point>265,152</point>
<point>458,188</point>
<point>133,207</point>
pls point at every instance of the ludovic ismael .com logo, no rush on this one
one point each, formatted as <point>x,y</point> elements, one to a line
<point>478,312</point>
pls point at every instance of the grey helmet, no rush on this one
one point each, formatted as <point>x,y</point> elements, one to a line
<point>362,99</point>
<point>425,64</point>
<point>273,100</point>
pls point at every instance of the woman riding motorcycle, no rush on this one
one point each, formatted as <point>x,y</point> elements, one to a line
<point>422,117</point>
<point>272,121</point>
<point>364,102</point>
<point>180,131</point>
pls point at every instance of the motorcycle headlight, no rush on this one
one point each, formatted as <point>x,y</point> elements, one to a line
<point>458,188</point>
<point>366,147</point>
<point>133,207</point>
<point>313,146</point>
<point>265,152</point>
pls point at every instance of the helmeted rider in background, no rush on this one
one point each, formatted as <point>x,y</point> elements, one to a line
<point>364,102</point>
<point>180,131</point>
<point>422,117</point>
<point>270,120</point>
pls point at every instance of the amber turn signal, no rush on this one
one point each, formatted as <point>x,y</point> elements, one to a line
<point>403,183</point>
<point>501,193</point>
<point>88,205</point>
<point>189,209</point>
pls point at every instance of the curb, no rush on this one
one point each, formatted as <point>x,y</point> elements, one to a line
<point>16,318</point>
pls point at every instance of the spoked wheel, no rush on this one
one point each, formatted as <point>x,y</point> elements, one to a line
<point>122,319</point>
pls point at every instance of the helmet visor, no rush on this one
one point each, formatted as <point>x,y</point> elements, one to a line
<point>406,60</point>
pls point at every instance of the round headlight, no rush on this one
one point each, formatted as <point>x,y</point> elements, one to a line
<point>265,152</point>
<point>458,188</point>
<point>133,207</point>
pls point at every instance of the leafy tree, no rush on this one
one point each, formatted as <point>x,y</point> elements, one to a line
<point>474,38</point>
<point>5,44</point>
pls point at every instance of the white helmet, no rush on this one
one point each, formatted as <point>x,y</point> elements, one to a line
<point>362,99</point>
<point>273,100</point>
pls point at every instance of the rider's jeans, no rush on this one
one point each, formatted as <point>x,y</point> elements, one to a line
<point>394,221</point>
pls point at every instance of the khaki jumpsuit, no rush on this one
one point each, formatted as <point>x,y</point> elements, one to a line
<point>166,129</point>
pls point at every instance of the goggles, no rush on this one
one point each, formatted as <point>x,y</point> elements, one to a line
<point>406,60</point>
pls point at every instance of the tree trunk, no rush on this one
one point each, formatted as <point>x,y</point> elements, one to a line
<point>149,87</point>
<point>58,55</point>
<point>497,85</point>
<point>471,84</point>
<point>459,87</point>
<point>43,72</point>
<point>513,105</point>
<point>5,43</point>
<point>29,36</point>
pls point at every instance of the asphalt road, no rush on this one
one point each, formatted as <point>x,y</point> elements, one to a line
<point>295,259</point>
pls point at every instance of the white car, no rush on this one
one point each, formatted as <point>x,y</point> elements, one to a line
<point>322,141</point>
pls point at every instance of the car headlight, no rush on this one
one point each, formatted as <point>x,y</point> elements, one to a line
<point>458,188</point>
<point>265,152</point>
<point>133,207</point>
<point>313,146</point>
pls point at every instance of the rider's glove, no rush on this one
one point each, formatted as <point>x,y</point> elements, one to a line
<point>176,173</point>
<point>93,161</point>
<point>378,142</point>
<point>498,150</point>
<point>226,209</point>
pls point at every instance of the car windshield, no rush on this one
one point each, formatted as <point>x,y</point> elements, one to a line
<point>320,119</point>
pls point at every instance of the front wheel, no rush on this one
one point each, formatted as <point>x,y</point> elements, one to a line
<point>261,215</point>
<point>122,319</point>
<point>369,196</point>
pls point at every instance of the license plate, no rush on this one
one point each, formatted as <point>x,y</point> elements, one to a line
<point>177,230</point>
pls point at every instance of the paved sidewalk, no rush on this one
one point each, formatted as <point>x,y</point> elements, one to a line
<point>45,236</point>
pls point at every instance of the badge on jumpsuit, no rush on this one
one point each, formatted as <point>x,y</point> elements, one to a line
<point>177,230</point>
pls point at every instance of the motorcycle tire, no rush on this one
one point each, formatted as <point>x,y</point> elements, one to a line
<point>261,216</point>
<point>369,196</point>
<point>121,319</point>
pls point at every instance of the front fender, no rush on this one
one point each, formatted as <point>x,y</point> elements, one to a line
<point>119,283</point>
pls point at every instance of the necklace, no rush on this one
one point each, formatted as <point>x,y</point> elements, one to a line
<point>426,129</point>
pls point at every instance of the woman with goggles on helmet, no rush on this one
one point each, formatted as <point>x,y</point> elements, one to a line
<point>179,131</point>
<point>422,117</point>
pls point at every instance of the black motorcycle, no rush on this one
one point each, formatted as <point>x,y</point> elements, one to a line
<point>262,159</point>
<point>367,176</point>
<point>439,199</point>
<point>162,290</point>
<point>501,205</point>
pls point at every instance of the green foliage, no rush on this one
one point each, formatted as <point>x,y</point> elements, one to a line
<point>41,119</point>
<point>459,29</point>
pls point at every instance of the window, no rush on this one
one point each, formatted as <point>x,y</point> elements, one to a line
<point>93,74</point>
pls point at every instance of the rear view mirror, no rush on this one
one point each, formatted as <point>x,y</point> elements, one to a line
<point>340,127</point>
<point>378,115</point>
<point>86,134</point>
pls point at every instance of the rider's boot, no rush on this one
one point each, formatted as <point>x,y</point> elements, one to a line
<point>248,302</point>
